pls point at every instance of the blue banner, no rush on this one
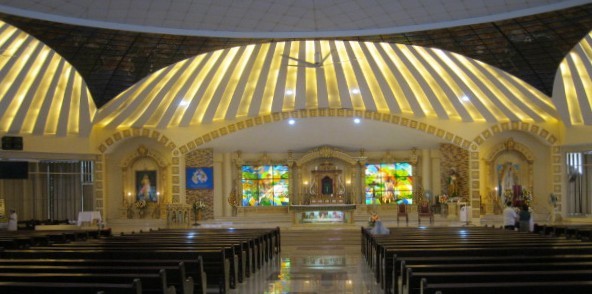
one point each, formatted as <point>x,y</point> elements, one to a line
<point>200,177</point>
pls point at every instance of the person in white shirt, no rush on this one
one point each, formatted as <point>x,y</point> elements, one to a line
<point>510,217</point>
<point>12,220</point>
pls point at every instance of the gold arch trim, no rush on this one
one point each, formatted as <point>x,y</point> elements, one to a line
<point>533,129</point>
<point>131,133</point>
<point>309,113</point>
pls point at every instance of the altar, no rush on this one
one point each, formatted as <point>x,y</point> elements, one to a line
<point>322,213</point>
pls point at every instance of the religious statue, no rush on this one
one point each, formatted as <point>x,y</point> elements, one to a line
<point>453,185</point>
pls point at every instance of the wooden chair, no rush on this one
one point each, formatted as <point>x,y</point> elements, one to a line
<point>423,210</point>
<point>402,211</point>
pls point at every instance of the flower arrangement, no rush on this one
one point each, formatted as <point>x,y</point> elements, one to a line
<point>443,198</point>
<point>140,204</point>
<point>198,205</point>
<point>526,196</point>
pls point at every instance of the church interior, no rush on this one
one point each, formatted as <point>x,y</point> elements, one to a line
<point>310,117</point>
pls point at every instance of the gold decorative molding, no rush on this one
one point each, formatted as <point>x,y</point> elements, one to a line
<point>449,137</point>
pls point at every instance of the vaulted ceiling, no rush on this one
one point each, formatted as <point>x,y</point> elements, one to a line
<point>502,63</point>
<point>110,61</point>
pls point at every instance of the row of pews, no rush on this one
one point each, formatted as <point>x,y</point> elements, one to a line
<point>570,231</point>
<point>26,239</point>
<point>477,260</point>
<point>161,261</point>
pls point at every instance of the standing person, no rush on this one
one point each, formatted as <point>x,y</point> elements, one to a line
<point>510,217</point>
<point>524,217</point>
<point>12,220</point>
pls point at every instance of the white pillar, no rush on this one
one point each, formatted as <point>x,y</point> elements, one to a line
<point>426,171</point>
<point>227,182</point>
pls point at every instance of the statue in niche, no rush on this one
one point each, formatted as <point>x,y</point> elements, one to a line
<point>453,185</point>
<point>327,186</point>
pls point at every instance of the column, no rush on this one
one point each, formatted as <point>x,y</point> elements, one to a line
<point>426,173</point>
<point>227,183</point>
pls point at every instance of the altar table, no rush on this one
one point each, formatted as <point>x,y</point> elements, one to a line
<point>89,216</point>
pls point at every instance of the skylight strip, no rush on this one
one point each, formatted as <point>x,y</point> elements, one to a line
<point>143,103</point>
<point>194,93</point>
<point>272,78</point>
<point>451,96</point>
<point>571,98</point>
<point>351,82</point>
<point>35,77</point>
<point>339,94</point>
<point>310,94</point>
<point>220,85</point>
<point>163,95</point>
<point>486,108</point>
<point>57,100</point>
<point>173,115</point>
<point>411,89</point>
<point>433,92</point>
<point>321,79</point>
<point>232,82</point>
<point>377,65</point>
<point>255,71</point>
<point>369,88</point>
<point>582,86</point>
<point>505,108</point>
<point>289,100</point>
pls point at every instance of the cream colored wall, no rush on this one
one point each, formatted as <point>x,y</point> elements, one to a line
<point>580,135</point>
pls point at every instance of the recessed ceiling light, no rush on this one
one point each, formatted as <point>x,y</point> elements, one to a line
<point>289,92</point>
<point>357,120</point>
<point>183,103</point>
<point>355,91</point>
<point>291,121</point>
<point>465,98</point>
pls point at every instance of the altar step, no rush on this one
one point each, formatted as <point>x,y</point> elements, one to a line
<point>250,221</point>
<point>313,240</point>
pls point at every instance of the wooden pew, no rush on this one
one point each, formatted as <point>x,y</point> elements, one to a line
<point>565,287</point>
<point>418,280</point>
<point>382,253</point>
<point>501,264</point>
<point>214,261</point>
<point>180,274</point>
<point>155,282</point>
<point>135,287</point>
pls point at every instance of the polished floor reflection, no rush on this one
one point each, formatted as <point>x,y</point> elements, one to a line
<point>315,261</point>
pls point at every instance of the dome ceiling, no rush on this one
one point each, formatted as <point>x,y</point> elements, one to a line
<point>529,47</point>
<point>163,81</point>
<point>40,92</point>
<point>256,80</point>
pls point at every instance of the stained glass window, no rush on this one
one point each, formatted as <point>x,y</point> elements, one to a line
<point>389,183</point>
<point>265,185</point>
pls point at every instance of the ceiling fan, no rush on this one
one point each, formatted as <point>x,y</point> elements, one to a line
<point>319,61</point>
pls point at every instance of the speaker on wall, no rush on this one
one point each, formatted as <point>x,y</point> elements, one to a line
<point>12,143</point>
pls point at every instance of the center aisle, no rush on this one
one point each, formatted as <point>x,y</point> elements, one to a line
<point>315,260</point>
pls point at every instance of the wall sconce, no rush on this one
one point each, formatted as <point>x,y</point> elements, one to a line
<point>305,183</point>
<point>348,182</point>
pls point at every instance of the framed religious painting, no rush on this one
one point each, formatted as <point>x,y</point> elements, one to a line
<point>146,186</point>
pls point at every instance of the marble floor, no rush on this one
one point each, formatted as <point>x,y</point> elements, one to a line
<point>315,262</point>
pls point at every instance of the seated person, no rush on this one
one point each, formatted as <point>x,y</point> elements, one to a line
<point>379,228</point>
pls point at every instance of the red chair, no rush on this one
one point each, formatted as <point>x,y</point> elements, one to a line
<point>402,211</point>
<point>423,210</point>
